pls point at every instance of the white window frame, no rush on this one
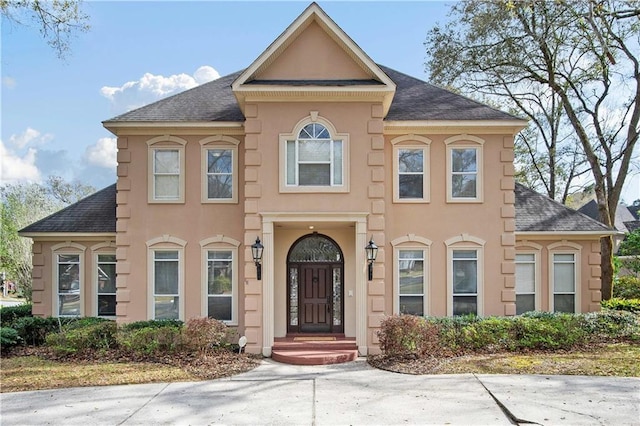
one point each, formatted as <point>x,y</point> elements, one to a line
<point>166,143</point>
<point>412,142</point>
<point>412,242</point>
<point>529,247</point>
<point>466,242</point>
<point>70,249</point>
<point>565,247</point>
<point>293,136</point>
<point>220,243</point>
<point>165,243</point>
<point>107,248</point>
<point>462,142</point>
<point>219,142</point>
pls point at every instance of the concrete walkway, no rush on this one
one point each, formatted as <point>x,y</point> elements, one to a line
<point>349,394</point>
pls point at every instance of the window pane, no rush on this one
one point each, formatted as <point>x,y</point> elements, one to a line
<point>167,186</point>
<point>563,257</point>
<point>410,160</point>
<point>291,163</point>
<point>166,255</point>
<point>69,304</point>
<point>220,277</point>
<point>68,258</point>
<point>564,303</point>
<point>69,278</point>
<point>167,307</point>
<point>106,278</point>
<point>220,308</point>
<point>107,305</point>
<point>314,151</point>
<point>293,296</point>
<point>463,186</point>
<point>464,305</point>
<point>219,161</point>
<point>166,161</point>
<point>410,186</point>
<point>411,305</point>
<point>166,277</point>
<point>337,296</point>
<point>337,162</point>
<point>464,254</point>
<point>465,276</point>
<point>525,278</point>
<point>525,303</point>
<point>411,277</point>
<point>219,186</point>
<point>463,160</point>
<point>315,174</point>
<point>563,278</point>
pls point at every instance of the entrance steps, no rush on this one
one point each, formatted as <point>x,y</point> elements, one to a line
<point>316,349</point>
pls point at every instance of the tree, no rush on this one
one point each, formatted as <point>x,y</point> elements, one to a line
<point>57,20</point>
<point>23,204</point>
<point>583,54</point>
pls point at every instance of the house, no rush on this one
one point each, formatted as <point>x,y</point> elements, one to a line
<point>305,158</point>
<point>625,220</point>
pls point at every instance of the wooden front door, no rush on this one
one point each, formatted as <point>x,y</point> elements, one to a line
<point>316,298</point>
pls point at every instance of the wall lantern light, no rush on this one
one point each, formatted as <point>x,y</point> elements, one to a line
<point>372,252</point>
<point>256,252</point>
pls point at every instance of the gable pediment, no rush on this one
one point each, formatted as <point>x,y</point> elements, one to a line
<point>314,59</point>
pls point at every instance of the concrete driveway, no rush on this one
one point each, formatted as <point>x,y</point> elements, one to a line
<point>349,394</point>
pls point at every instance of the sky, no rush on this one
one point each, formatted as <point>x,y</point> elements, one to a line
<point>138,52</point>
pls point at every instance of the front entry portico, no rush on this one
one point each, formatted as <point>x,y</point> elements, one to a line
<point>328,295</point>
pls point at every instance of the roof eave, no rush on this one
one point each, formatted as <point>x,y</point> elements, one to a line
<point>572,234</point>
<point>512,126</point>
<point>66,236</point>
<point>115,126</point>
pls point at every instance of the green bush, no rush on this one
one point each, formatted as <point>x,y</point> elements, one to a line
<point>559,331</point>
<point>205,334</point>
<point>79,336</point>
<point>401,335</point>
<point>630,305</point>
<point>8,338</point>
<point>9,314</point>
<point>610,324</point>
<point>627,287</point>
<point>151,340</point>
<point>34,330</point>
<point>152,324</point>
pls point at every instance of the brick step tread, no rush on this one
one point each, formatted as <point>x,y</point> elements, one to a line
<point>314,357</point>
<point>328,346</point>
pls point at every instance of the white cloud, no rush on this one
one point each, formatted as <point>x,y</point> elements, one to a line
<point>9,82</point>
<point>150,88</point>
<point>29,137</point>
<point>102,153</point>
<point>14,168</point>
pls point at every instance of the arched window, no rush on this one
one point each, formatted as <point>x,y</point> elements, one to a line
<point>314,158</point>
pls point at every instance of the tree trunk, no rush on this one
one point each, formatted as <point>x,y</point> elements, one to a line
<point>606,264</point>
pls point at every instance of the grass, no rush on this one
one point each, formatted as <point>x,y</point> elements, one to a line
<point>24,373</point>
<point>620,359</point>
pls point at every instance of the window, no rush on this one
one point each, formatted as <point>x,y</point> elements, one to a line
<point>465,282</point>
<point>219,169</point>
<point>220,278</point>
<point>166,284</point>
<point>564,282</point>
<point>464,169</point>
<point>315,159</point>
<point>525,283</point>
<point>410,169</point>
<point>411,282</point>
<point>69,284</point>
<point>166,169</point>
<point>220,284</point>
<point>106,292</point>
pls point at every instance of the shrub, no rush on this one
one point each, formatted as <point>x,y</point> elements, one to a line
<point>630,305</point>
<point>8,338</point>
<point>627,287</point>
<point>79,336</point>
<point>151,340</point>
<point>9,314</point>
<point>204,334</point>
<point>152,324</point>
<point>610,324</point>
<point>34,330</point>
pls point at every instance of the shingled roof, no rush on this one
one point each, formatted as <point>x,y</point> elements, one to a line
<point>534,212</point>
<point>414,100</point>
<point>538,213</point>
<point>93,214</point>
